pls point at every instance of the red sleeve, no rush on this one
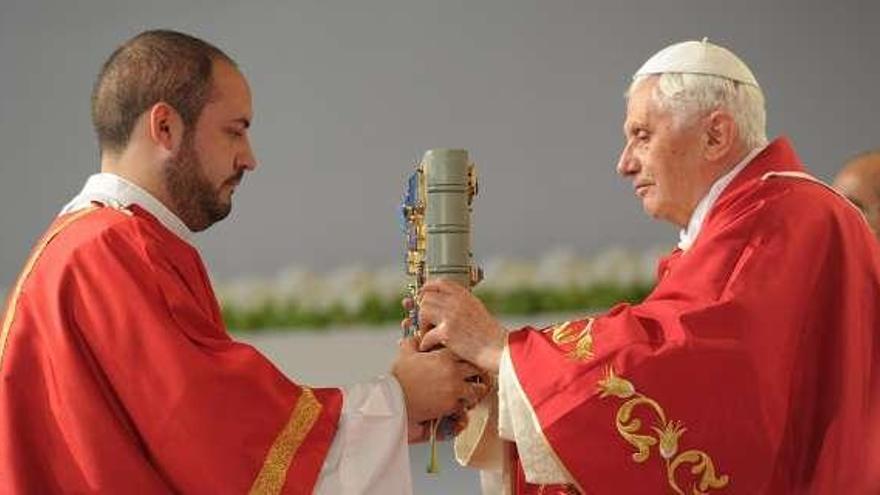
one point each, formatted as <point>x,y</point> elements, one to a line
<point>119,370</point>
<point>215,415</point>
<point>747,369</point>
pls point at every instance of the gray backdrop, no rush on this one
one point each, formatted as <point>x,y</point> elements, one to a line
<point>348,95</point>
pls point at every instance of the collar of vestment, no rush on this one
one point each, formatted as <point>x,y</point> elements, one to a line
<point>688,235</point>
<point>116,192</point>
<point>778,156</point>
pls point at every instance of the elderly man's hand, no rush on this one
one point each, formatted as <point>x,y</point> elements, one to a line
<point>435,384</point>
<point>451,316</point>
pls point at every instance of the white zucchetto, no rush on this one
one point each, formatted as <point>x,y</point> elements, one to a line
<point>698,57</point>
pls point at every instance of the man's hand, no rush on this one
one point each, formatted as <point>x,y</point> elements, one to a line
<point>449,315</point>
<point>435,383</point>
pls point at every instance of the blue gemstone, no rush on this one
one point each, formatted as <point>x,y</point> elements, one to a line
<point>402,219</point>
<point>412,189</point>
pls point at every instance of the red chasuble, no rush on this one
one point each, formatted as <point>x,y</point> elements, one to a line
<point>118,375</point>
<point>749,369</point>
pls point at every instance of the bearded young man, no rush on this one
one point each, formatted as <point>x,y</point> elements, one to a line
<point>752,367</point>
<point>118,375</point>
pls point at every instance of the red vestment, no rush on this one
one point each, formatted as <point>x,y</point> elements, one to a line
<point>749,369</point>
<point>118,375</point>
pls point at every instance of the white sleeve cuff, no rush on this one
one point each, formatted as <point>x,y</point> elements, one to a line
<point>369,454</point>
<point>518,422</point>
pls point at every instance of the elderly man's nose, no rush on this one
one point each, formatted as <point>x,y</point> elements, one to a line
<point>625,164</point>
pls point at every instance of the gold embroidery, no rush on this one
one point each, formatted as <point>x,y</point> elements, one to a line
<point>667,435</point>
<point>566,489</point>
<point>26,271</point>
<point>274,472</point>
<point>583,341</point>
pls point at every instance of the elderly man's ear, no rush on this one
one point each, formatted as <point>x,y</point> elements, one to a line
<point>720,135</point>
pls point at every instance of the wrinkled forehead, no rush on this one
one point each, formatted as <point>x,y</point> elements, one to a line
<point>640,103</point>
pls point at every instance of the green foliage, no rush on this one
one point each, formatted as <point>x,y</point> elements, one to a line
<point>530,300</point>
<point>375,310</point>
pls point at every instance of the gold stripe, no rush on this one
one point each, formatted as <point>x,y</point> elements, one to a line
<point>274,472</point>
<point>28,268</point>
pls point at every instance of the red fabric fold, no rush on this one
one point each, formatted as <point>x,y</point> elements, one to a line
<point>118,374</point>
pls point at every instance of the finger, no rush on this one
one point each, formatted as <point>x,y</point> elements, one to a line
<point>428,317</point>
<point>473,393</point>
<point>409,345</point>
<point>405,323</point>
<point>441,286</point>
<point>433,285</point>
<point>484,378</point>
<point>479,390</point>
<point>435,299</point>
<point>417,432</point>
<point>461,423</point>
<point>452,287</point>
<point>444,353</point>
<point>434,338</point>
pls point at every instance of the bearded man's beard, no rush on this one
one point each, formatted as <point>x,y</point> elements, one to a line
<point>196,202</point>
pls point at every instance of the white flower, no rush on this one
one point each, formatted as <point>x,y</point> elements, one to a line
<point>246,293</point>
<point>560,268</point>
<point>349,286</point>
<point>507,274</point>
<point>616,266</point>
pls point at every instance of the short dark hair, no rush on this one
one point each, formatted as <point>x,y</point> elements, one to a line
<point>154,66</point>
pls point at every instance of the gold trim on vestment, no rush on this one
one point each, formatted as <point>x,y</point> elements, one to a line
<point>583,340</point>
<point>273,474</point>
<point>26,271</point>
<point>665,435</point>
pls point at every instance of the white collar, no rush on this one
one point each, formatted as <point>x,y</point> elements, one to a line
<point>688,236</point>
<point>112,190</point>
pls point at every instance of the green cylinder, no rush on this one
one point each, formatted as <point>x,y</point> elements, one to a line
<point>447,220</point>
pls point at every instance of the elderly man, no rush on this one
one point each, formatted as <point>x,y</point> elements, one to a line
<point>118,375</point>
<point>860,182</point>
<point>749,367</point>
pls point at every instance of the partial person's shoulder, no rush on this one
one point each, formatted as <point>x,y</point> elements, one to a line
<point>117,230</point>
<point>802,193</point>
<point>780,190</point>
<point>799,201</point>
<point>777,202</point>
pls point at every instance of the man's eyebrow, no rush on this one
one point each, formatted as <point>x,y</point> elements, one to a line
<point>631,127</point>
